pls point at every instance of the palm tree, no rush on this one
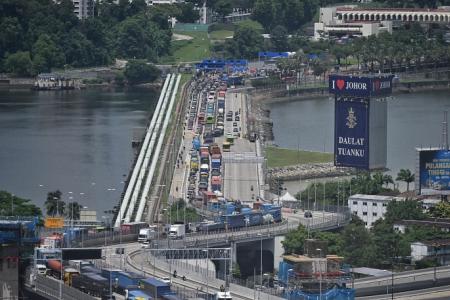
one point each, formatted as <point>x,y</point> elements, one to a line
<point>54,205</point>
<point>73,210</point>
<point>387,179</point>
<point>406,176</point>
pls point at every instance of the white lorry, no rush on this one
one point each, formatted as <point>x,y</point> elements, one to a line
<point>177,231</point>
<point>147,234</point>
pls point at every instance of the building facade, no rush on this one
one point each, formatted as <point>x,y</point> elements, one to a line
<point>84,8</point>
<point>435,249</point>
<point>355,21</point>
<point>369,208</point>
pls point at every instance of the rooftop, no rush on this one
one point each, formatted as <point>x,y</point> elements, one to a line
<point>442,9</point>
<point>371,197</point>
<point>371,271</point>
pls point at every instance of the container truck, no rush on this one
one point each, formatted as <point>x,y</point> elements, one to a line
<point>216,183</point>
<point>177,231</point>
<point>156,288</point>
<point>137,295</point>
<point>204,159</point>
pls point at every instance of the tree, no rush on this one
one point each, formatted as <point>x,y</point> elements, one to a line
<point>19,63</point>
<point>11,205</point>
<point>46,54</point>
<point>406,176</point>
<point>403,210</point>
<point>279,38</point>
<point>73,210</point>
<point>295,240</point>
<point>54,205</point>
<point>177,210</point>
<point>188,14</point>
<point>441,210</point>
<point>246,41</point>
<point>358,246</point>
<point>137,72</point>
<point>262,12</point>
<point>223,8</point>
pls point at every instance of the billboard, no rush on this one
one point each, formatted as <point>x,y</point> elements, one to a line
<point>351,133</point>
<point>434,172</point>
<point>354,86</point>
<point>53,222</point>
<point>77,253</point>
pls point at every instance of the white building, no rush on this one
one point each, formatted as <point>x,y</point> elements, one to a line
<point>436,249</point>
<point>369,208</point>
<point>331,24</point>
<point>83,8</point>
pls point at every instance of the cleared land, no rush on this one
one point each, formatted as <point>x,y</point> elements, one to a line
<point>220,34</point>
<point>281,157</point>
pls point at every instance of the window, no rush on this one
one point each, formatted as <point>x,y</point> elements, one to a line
<point>355,202</point>
<point>365,223</point>
<point>355,212</point>
<point>365,203</point>
<point>374,214</point>
<point>384,204</point>
<point>374,204</point>
<point>365,213</point>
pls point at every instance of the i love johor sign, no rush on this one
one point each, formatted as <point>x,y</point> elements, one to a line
<point>364,86</point>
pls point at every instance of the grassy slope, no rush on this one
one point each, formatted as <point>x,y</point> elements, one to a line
<point>189,50</point>
<point>279,157</point>
<point>220,34</point>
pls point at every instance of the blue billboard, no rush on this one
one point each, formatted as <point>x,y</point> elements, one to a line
<point>355,86</point>
<point>434,172</point>
<point>351,133</point>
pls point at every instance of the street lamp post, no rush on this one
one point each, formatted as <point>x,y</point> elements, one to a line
<point>260,267</point>
<point>320,270</point>
<point>207,272</point>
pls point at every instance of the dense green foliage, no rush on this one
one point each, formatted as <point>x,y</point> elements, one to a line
<point>38,35</point>
<point>246,42</point>
<point>338,191</point>
<point>177,210</point>
<point>11,205</point>
<point>376,247</point>
<point>139,72</point>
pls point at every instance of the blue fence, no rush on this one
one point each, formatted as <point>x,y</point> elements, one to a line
<point>333,294</point>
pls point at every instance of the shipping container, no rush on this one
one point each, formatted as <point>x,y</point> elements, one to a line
<point>156,288</point>
<point>137,295</point>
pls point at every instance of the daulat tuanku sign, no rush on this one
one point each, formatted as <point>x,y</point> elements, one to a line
<point>353,123</point>
<point>352,133</point>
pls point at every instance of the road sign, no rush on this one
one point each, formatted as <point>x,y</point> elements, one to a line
<point>54,222</point>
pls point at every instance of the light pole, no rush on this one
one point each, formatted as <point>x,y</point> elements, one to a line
<point>207,272</point>
<point>320,270</point>
<point>260,267</point>
<point>288,277</point>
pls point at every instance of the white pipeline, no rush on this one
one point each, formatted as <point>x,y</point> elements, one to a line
<point>156,156</point>
<point>135,172</point>
<point>148,153</point>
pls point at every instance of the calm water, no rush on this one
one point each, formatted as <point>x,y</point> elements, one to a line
<point>75,141</point>
<point>414,120</point>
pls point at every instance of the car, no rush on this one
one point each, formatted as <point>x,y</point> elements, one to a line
<point>166,280</point>
<point>146,245</point>
<point>236,118</point>
<point>235,129</point>
<point>215,172</point>
<point>236,113</point>
<point>308,214</point>
<point>234,124</point>
<point>229,118</point>
<point>203,185</point>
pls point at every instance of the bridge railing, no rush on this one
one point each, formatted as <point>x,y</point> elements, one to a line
<point>54,289</point>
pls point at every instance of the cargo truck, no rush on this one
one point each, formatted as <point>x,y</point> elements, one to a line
<point>177,231</point>
<point>216,183</point>
<point>147,234</point>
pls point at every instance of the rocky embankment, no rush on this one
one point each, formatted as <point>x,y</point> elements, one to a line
<point>306,171</point>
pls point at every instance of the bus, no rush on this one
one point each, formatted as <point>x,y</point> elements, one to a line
<point>226,146</point>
